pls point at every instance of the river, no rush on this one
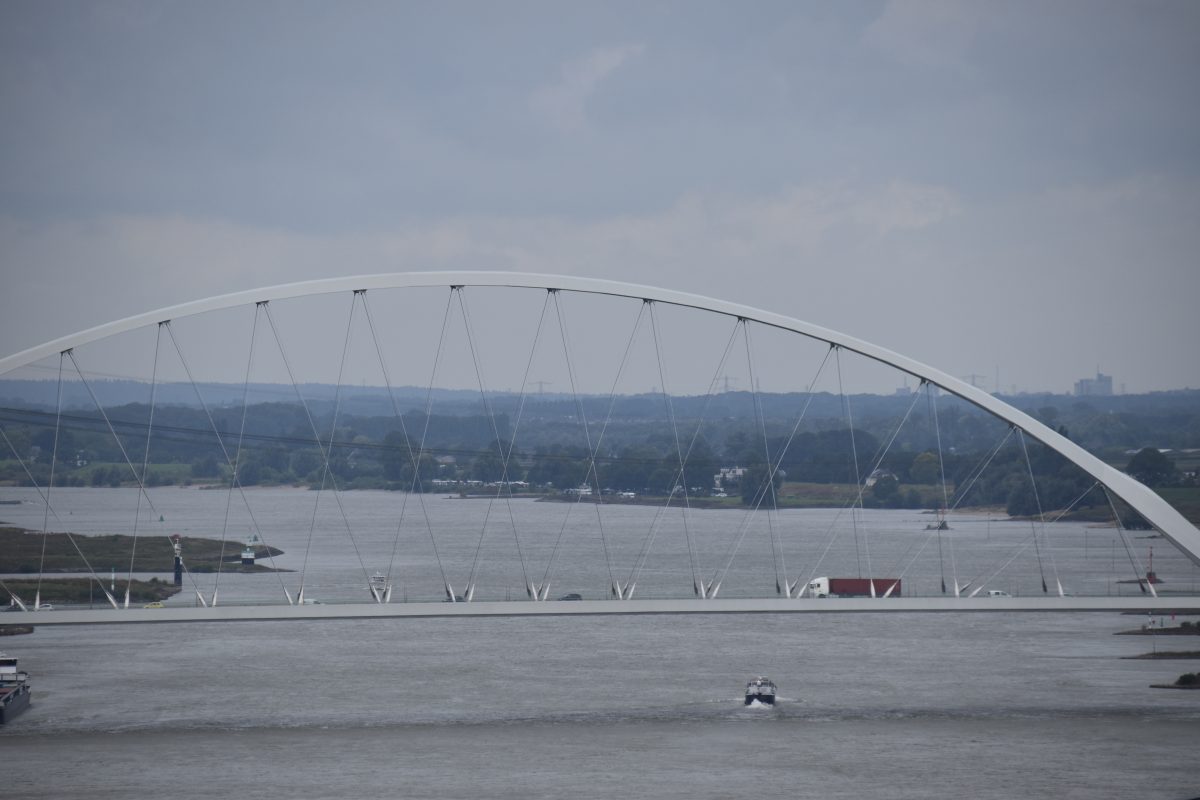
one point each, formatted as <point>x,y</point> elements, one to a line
<point>876,705</point>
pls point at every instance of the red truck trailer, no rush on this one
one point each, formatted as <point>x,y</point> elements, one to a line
<point>854,587</point>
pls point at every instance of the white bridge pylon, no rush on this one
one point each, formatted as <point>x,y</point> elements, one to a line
<point>1169,522</point>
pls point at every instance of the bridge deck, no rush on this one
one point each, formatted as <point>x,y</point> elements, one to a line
<point>232,613</point>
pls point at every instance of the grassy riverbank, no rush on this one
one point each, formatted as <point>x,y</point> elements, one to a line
<point>21,552</point>
<point>78,591</point>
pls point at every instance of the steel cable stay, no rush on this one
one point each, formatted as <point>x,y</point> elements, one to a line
<point>1041,519</point>
<point>237,457</point>
<point>856,501</point>
<point>538,591</point>
<point>973,475</point>
<point>529,590</point>
<point>1029,539</point>
<point>760,493</point>
<point>387,592</point>
<point>615,589</point>
<point>25,468</point>
<point>977,471</point>
<point>1032,524</point>
<point>141,484</point>
<point>1133,560</point>
<point>682,479</point>
<point>591,467</point>
<point>312,525</point>
<point>145,461</point>
<point>14,598</point>
<point>876,465</point>
<point>416,484</point>
<point>325,453</point>
<point>772,510</point>
<point>698,586</point>
<point>903,571</point>
<point>626,592</point>
<point>224,452</point>
<point>731,552</point>
<point>790,587</point>
<point>512,443</point>
<point>1024,544</point>
<point>37,487</point>
<point>37,594</point>
<point>877,460</point>
<point>469,592</point>
<point>931,397</point>
<point>858,478</point>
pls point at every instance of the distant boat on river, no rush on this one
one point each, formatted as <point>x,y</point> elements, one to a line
<point>760,690</point>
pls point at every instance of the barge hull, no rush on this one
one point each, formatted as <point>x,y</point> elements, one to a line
<point>13,703</point>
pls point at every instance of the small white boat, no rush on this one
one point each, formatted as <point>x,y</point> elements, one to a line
<point>760,690</point>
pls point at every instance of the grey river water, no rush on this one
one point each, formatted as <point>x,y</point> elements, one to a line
<point>872,705</point>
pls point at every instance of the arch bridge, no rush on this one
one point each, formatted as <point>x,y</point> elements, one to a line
<point>590,549</point>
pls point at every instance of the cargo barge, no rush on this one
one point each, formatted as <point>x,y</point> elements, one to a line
<point>14,689</point>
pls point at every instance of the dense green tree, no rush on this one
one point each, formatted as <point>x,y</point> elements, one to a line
<point>304,462</point>
<point>1021,501</point>
<point>701,464</point>
<point>886,490</point>
<point>630,469</point>
<point>205,467</point>
<point>563,467</point>
<point>1152,467</point>
<point>925,468</point>
<point>488,466</point>
<point>397,457</point>
<point>755,486</point>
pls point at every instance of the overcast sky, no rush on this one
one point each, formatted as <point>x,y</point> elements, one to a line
<point>976,185</point>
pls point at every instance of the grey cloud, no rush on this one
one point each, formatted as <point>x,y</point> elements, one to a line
<point>857,163</point>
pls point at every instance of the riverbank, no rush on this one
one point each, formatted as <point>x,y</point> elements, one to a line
<point>82,591</point>
<point>15,630</point>
<point>29,552</point>
<point>1166,655</point>
<point>1179,630</point>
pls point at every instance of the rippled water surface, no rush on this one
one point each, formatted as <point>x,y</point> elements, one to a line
<point>872,705</point>
<point>877,705</point>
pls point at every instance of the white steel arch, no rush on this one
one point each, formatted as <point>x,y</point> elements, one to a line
<point>1145,501</point>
